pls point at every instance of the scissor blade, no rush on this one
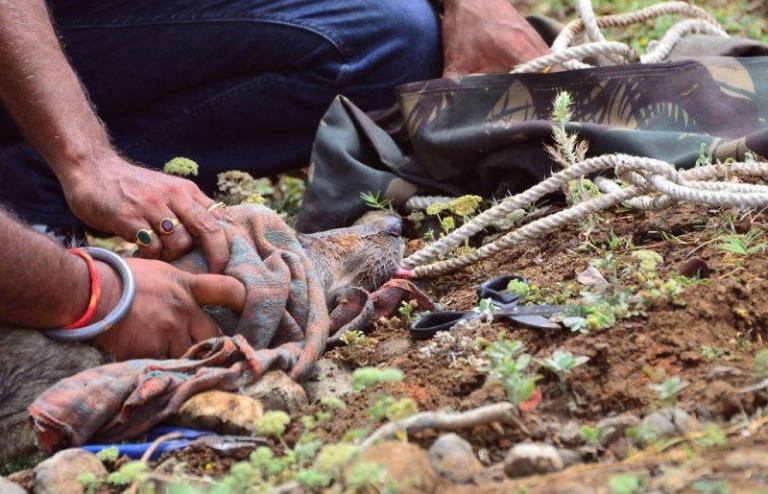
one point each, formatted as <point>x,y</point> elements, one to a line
<point>532,310</point>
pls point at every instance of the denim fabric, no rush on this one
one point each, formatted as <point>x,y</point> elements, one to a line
<point>232,84</point>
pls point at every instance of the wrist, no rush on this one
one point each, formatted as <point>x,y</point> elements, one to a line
<point>76,161</point>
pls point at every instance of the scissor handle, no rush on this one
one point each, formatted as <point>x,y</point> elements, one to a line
<point>427,326</point>
<point>496,289</point>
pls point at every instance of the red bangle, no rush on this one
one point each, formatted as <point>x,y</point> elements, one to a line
<point>95,290</point>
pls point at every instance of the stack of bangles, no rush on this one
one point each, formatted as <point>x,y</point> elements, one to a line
<point>81,329</point>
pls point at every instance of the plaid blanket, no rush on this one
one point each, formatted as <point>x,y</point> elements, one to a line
<point>285,325</point>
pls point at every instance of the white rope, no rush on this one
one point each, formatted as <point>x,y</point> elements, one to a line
<point>417,203</point>
<point>653,184</point>
<point>645,176</point>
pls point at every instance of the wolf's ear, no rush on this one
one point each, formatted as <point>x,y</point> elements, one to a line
<point>352,311</point>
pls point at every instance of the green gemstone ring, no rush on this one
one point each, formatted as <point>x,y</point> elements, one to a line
<point>144,237</point>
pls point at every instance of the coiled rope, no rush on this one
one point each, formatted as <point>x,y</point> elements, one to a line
<point>653,184</point>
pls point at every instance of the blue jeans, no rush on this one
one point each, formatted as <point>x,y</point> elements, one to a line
<point>232,84</point>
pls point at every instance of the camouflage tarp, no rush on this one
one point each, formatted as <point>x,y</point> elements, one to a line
<point>486,134</point>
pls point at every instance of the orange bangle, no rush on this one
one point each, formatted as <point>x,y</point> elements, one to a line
<point>95,290</point>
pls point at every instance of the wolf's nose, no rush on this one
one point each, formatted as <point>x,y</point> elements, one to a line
<point>393,226</point>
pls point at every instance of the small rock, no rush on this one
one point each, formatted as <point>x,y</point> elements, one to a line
<point>277,391</point>
<point>616,427</point>
<point>8,487</point>
<point>531,458</point>
<point>746,460</point>
<point>452,457</point>
<point>623,448</point>
<point>331,379</point>
<point>723,372</point>
<point>389,349</point>
<point>405,463</point>
<point>58,474</point>
<point>667,422</point>
<point>227,413</point>
<point>570,433</point>
<point>723,399</point>
<point>694,267</point>
<point>569,457</point>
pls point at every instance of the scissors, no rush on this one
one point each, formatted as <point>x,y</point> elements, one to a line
<point>532,316</point>
<point>187,437</point>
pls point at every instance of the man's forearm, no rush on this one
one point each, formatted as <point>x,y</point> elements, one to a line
<point>42,92</point>
<point>41,285</point>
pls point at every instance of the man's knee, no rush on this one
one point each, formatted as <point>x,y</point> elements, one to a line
<point>402,42</point>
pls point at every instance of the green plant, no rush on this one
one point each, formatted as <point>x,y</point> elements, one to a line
<point>760,364</point>
<point>742,245</point>
<point>562,364</point>
<point>108,455</point>
<point>273,423</point>
<point>392,409</point>
<point>711,487</point>
<point>406,311</point>
<point>374,201</point>
<point>129,473</point>
<point>89,481</point>
<point>365,377</point>
<point>182,167</point>
<point>366,474</point>
<point>358,343</point>
<point>625,483</point>
<point>713,436</point>
<point>519,288</point>
<point>593,436</point>
<point>508,367</point>
<point>669,389</point>
<point>486,307</point>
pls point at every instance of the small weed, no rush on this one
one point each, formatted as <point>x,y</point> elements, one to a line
<point>562,363</point>
<point>181,167</point>
<point>108,455</point>
<point>365,377</point>
<point>89,481</point>
<point>669,389</point>
<point>760,364</point>
<point>626,483</point>
<point>509,368</point>
<point>129,473</point>
<point>486,307</point>
<point>273,423</point>
<point>742,245</point>
<point>372,200</point>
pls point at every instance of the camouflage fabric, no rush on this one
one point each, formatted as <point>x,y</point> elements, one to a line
<point>486,134</point>
<point>284,325</point>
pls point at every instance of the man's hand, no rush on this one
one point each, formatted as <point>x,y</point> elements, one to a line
<point>487,36</point>
<point>44,95</point>
<point>117,197</point>
<point>165,318</point>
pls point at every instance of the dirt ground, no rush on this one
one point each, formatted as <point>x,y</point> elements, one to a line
<point>709,340</point>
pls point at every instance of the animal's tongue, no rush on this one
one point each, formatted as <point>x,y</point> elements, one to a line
<point>405,274</point>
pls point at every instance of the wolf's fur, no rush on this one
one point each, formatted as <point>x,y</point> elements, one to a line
<point>365,255</point>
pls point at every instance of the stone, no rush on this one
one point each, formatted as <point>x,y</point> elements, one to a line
<point>405,463</point>
<point>723,399</point>
<point>277,391</point>
<point>226,413</point>
<point>8,487</point>
<point>616,427</point>
<point>530,459</point>
<point>745,460</point>
<point>330,379</point>
<point>667,422</point>
<point>569,457</point>
<point>720,372</point>
<point>452,457</point>
<point>570,433</point>
<point>58,474</point>
<point>390,349</point>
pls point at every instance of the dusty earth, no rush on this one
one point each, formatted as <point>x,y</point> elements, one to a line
<point>708,339</point>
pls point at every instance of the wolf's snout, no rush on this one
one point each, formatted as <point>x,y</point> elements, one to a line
<point>393,226</point>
